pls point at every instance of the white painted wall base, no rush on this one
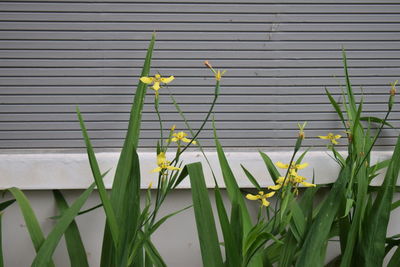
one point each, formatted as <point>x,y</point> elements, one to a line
<point>72,171</point>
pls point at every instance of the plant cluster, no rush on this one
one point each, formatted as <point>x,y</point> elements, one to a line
<point>292,227</point>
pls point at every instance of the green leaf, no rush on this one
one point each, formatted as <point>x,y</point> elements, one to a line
<point>273,172</point>
<point>1,241</point>
<point>299,221</point>
<point>165,218</point>
<point>395,259</point>
<point>124,172</point>
<point>94,166</point>
<point>251,178</point>
<point>31,221</point>
<point>49,245</point>
<point>376,120</point>
<point>232,250</point>
<point>5,204</point>
<point>180,178</point>
<point>318,233</point>
<point>350,95</point>
<point>207,232</point>
<point>288,250</point>
<point>300,159</point>
<point>73,240</point>
<point>153,254</point>
<point>336,107</point>
<point>349,204</point>
<point>395,205</point>
<point>372,247</point>
<point>255,247</point>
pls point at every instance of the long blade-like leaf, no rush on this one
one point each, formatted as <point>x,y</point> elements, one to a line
<point>251,178</point>
<point>110,215</point>
<point>372,247</point>
<point>1,242</point>
<point>232,250</point>
<point>273,172</point>
<point>123,173</point>
<point>207,232</point>
<point>49,245</point>
<point>31,221</point>
<point>395,259</point>
<point>73,240</point>
<point>319,231</point>
<point>5,204</point>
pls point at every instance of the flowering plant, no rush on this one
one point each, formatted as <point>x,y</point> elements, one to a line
<point>294,226</point>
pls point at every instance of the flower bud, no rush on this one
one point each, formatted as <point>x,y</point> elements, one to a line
<point>207,64</point>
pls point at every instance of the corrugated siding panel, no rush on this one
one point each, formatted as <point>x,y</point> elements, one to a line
<point>279,55</point>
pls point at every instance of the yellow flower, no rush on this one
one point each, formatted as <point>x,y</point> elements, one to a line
<point>279,183</point>
<point>218,74</point>
<point>331,137</point>
<point>150,185</point>
<point>163,164</point>
<point>261,196</point>
<point>181,136</point>
<point>156,81</point>
<point>294,166</point>
<point>393,88</point>
<point>293,178</point>
<point>301,130</point>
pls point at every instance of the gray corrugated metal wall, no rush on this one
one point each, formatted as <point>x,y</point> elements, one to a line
<point>279,55</point>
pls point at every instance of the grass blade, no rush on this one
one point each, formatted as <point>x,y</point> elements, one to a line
<point>232,251</point>
<point>350,95</point>
<point>251,178</point>
<point>5,204</point>
<point>1,241</point>
<point>207,232</point>
<point>376,120</point>
<point>73,240</point>
<point>124,172</point>
<point>318,233</point>
<point>49,245</point>
<point>110,216</point>
<point>372,247</point>
<point>336,107</point>
<point>273,172</point>
<point>31,221</point>
<point>395,260</point>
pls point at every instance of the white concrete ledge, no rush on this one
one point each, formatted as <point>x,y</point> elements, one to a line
<point>72,171</point>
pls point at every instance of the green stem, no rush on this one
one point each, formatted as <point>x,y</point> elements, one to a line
<point>373,142</point>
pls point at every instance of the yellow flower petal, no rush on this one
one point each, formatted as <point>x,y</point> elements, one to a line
<point>156,86</point>
<point>280,180</point>
<point>184,139</point>
<point>275,187</point>
<point>161,158</point>
<point>174,139</point>
<point>323,137</point>
<point>333,141</point>
<point>252,197</point>
<point>338,136</point>
<point>270,194</point>
<point>265,202</point>
<point>308,184</point>
<point>172,168</point>
<point>158,169</point>
<point>167,80</point>
<point>301,166</point>
<point>281,165</point>
<point>146,80</point>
